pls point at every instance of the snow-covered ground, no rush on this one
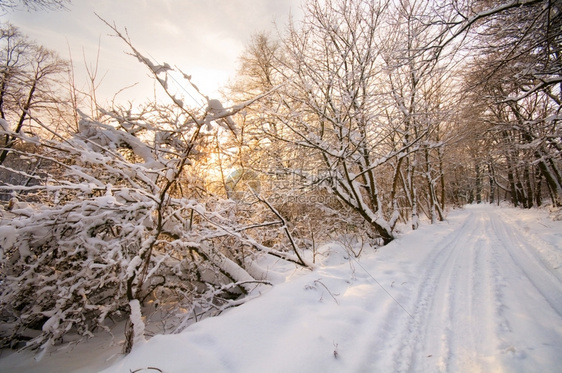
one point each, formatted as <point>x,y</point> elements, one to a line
<point>481,292</point>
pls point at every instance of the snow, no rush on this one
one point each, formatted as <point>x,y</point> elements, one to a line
<point>136,319</point>
<point>481,292</point>
<point>7,239</point>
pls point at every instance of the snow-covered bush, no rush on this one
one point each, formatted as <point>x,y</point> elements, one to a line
<point>119,220</point>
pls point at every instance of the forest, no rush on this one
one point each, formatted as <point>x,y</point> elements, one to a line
<point>356,122</point>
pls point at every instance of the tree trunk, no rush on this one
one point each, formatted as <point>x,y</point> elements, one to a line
<point>478,182</point>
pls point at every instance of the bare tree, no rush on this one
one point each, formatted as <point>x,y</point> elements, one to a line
<point>6,5</point>
<point>27,75</point>
<point>417,82</point>
<point>331,105</point>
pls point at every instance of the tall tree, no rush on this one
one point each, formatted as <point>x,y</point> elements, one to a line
<point>258,73</point>
<point>417,82</point>
<point>27,74</point>
<point>331,104</point>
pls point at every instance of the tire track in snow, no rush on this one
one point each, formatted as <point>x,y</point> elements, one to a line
<point>427,338</point>
<point>529,301</point>
<point>485,299</point>
<point>387,324</point>
<point>475,302</point>
<point>455,335</point>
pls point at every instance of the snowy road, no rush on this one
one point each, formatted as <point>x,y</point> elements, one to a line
<point>486,300</point>
<point>481,292</point>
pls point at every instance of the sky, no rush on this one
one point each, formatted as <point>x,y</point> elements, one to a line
<point>204,38</point>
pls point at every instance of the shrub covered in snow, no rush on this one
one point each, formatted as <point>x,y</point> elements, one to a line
<point>119,220</point>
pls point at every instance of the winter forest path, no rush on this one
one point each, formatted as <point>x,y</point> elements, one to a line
<point>486,298</point>
<point>481,292</point>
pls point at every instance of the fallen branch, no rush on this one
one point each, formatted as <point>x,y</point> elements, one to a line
<point>284,226</point>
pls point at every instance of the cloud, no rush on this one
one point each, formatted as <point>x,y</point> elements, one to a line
<point>200,36</point>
